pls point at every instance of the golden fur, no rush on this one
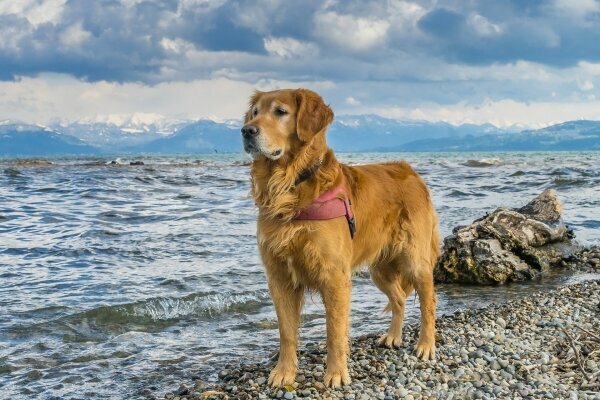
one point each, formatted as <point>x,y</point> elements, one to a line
<point>396,233</point>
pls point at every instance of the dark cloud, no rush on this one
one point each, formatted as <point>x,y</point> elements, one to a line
<point>443,23</point>
<point>530,31</point>
<point>120,40</point>
<point>217,30</point>
<point>275,17</point>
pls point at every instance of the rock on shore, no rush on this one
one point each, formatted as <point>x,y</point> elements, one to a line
<point>508,244</point>
<point>33,163</point>
<point>546,346</point>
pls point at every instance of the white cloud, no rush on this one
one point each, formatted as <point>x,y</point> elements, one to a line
<point>482,26</point>
<point>350,32</point>
<point>36,11</point>
<point>579,9</point>
<point>502,113</point>
<point>10,37</point>
<point>590,69</point>
<point>290,47</point>
<point>586,85</point>
<point>403,16</point>
<point>50,97</point>
<point>352,101</point>
<point>176,46</point>
<point>74,35</point>
<point>516,71</point>
<point>407,11</point>
<point>195,4</point>
<point>258,14</point>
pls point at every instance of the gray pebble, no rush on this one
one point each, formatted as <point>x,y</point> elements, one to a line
<point>544,358</point>
<point>223,373</point>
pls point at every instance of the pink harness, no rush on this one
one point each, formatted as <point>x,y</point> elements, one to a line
<point>332,204</point>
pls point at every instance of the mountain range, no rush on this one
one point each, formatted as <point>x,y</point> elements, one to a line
<point>34,140</point>
<point>358,133</point>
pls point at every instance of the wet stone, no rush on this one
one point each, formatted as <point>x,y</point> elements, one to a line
<point>289,395</point>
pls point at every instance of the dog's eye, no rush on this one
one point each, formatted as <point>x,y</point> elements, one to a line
<point>254,111</point>
<point>280,111</point>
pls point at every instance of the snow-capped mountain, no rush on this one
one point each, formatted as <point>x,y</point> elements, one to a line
<point>582,135</point>
<point>20,126</point>
<point>135,123</point>
<point>203,136</point>
<point>21,139</point>
<point>372,132</point>
<point>118,131</point>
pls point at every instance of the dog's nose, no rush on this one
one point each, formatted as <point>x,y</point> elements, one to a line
<point>249,131</point>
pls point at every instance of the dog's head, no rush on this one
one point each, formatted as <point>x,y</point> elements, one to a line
<point>281,122</point>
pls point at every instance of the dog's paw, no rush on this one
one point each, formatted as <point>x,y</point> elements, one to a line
<point>281,376</point>
<point>390,341</point>
<point>425,350</point>
<point>336,378</point>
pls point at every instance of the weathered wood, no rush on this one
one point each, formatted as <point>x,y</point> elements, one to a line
<point>507,245</point>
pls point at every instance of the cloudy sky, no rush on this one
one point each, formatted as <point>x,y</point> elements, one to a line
<point>506,62</point>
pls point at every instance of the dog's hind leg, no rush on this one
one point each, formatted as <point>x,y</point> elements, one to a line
<point>388,279</point>
<point>423,260</point>
<point>423,282</point>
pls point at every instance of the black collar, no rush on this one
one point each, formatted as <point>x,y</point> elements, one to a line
<point>308,172</point>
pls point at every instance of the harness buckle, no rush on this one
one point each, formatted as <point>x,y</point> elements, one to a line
<point>350,217</point>
<point>351,225</point>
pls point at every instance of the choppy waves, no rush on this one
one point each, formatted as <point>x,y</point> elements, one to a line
<point>482,163</point>
<point>193,306</point>
<point>149,315</point>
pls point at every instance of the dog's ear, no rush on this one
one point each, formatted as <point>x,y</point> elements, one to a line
<point>253,100</point>
<point>313,114</point>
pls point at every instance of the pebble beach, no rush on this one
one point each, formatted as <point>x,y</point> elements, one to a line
<point>545,346</point>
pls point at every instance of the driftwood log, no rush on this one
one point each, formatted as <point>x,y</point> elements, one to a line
<point>507,245</point>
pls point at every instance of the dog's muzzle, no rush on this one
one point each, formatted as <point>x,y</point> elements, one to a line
<point>250,133</point>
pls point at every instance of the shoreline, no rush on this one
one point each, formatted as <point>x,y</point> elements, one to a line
<point>518,349</point>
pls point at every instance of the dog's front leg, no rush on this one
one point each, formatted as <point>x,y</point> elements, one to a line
<point>288,306</point>
<point>336,297</point>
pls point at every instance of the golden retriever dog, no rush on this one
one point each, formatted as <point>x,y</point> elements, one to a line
<point>395,229</point>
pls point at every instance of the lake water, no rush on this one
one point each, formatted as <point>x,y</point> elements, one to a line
<point>118,278</point>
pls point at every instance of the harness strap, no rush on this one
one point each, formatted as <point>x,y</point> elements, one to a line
<point>333,203</point>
